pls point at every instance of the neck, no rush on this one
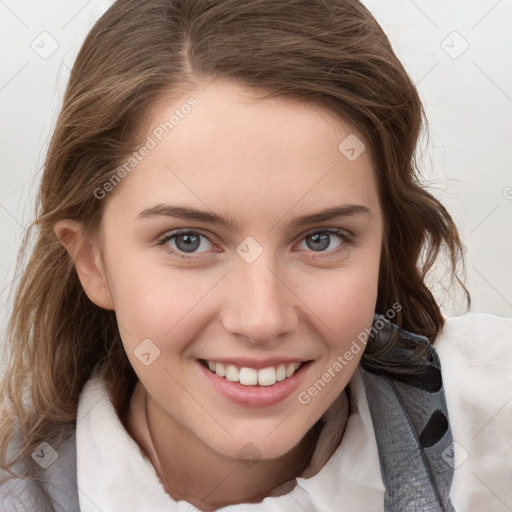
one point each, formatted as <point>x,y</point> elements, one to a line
<point>190,470</point>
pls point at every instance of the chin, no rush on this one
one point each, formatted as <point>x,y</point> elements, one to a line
<point>261,445</point>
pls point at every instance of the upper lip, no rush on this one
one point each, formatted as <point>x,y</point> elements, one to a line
<point>257,364</point>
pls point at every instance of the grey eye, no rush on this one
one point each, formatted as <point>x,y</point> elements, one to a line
<point>318,241</point>
<point>188,242</point>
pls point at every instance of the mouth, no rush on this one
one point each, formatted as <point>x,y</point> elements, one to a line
<point>248,376</point>
<point>249,386</point>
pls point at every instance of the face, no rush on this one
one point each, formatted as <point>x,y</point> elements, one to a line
<point>212,253</point>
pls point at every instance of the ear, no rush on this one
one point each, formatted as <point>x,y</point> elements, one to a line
<point>88,263</point>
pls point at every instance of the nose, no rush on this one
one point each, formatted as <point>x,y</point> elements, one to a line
<point>260,305</point>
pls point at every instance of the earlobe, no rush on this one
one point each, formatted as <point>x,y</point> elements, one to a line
<point>88,264</point>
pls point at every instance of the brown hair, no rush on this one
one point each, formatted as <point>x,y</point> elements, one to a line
<point>329,53</point>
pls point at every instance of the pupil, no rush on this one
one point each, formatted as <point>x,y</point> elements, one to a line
<point>190,242</point>
<point>322,239</point>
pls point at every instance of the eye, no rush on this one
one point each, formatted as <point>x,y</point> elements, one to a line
<point>183,242</point>
<point>320,240</point>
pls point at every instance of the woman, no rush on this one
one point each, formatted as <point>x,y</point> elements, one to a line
<point>225,307</point>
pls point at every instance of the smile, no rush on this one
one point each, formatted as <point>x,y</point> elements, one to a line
<point>251,376</point>
<point>269,384</point>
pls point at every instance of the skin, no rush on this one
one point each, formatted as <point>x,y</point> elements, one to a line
<point>262,163</point>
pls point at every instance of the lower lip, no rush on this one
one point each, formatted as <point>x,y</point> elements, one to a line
<point>255,396</point>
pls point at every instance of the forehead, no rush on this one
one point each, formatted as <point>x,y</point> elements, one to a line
<point>223,146</point>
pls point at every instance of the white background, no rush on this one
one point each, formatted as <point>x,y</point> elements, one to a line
<point>467,96</point>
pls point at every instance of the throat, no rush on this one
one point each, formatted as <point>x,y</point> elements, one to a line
<point>190,470</point>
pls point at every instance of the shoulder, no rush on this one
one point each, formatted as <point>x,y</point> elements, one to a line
<point>476,363</point>
<point>56,467</point>
<point>476,353</point>
<point>482,341</point>
<point>474,329</point>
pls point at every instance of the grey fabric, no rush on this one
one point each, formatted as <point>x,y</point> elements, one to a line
<point>58,494</point>
<point>411,424</point>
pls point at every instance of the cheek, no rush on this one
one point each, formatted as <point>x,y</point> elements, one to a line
<point>343,304</point>
<point>343,300</point>
<point>343,313</point>
<point>348,314</point>
<point>156,301</point>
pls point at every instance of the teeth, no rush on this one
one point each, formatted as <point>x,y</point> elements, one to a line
<point>220,370</point>
<point>281,373</point>
<point>290,370</point>
<point>267,376</point>
<point>232,373</point>
<point>250,376</point>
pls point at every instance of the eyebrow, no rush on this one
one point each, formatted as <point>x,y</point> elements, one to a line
<point>187,213</point>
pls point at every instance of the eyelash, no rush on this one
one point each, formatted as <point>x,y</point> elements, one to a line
<point>345,239</point>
